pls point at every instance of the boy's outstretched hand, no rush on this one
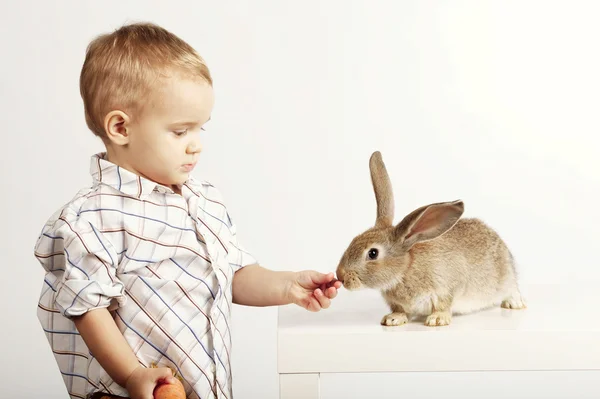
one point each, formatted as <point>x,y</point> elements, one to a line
<point>254,285</point>
<point>313,290</point>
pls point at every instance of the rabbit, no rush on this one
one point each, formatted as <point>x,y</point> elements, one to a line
<point>432,263</point>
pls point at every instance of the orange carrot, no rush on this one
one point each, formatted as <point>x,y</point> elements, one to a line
<point>170,390</point>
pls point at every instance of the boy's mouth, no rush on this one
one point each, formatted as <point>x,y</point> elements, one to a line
<point>188,166</point>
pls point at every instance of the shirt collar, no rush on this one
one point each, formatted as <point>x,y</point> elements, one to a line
<point>105,172</point>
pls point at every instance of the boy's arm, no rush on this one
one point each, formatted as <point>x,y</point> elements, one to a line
<point>109,347</point>
<point>254,285</point>
<point>103,338</point>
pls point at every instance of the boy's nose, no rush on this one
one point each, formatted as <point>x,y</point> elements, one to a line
<point>194,147</point>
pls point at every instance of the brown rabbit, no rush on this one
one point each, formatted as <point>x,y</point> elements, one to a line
<point>432,263</point>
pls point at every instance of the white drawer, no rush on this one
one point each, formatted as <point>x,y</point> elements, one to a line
<point>462,385</point>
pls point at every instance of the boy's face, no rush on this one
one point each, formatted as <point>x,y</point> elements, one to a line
<point>163,143</point>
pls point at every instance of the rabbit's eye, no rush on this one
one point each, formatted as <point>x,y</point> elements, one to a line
<point>373,252</point>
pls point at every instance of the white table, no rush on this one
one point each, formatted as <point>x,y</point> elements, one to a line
<point>558,332</point>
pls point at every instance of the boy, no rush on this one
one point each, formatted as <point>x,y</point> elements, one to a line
<point>143,266</point>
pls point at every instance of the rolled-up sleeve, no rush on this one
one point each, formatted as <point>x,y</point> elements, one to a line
<point>238,255</point>
<point>83,263</point>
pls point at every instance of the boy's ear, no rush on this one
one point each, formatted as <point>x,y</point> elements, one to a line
<point>116,124</point>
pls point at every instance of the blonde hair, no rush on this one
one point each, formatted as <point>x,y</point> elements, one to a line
<point>121,67</point>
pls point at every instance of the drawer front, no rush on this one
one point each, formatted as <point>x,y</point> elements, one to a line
<point>462,385</point>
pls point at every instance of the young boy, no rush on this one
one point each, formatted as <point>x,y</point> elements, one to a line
<point>142,267</point>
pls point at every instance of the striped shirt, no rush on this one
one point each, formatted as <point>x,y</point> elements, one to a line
<point>162,262</point>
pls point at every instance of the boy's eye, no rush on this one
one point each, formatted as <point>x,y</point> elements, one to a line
<point>180,132</point>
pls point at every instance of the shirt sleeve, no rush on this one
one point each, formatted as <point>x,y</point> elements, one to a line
<point>238,255</point>
<point>83,263</point>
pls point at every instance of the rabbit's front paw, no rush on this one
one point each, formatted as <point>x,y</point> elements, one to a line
<point>438,319</point>
<point>394,319</point>
<point>514,302</point>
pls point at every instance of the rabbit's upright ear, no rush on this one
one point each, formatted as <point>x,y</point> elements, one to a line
<point>384,195</point>
<point>428,222</point>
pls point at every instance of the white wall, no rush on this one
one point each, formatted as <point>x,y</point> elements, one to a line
<point>492,102</point>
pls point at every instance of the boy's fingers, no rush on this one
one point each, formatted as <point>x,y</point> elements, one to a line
<point>164,375</point>
<point>323,300</point>
<point>321,278</point>
<point>334,283</point>
<point>311,303</point>
<point>331,292</point>
<point>314,305</point>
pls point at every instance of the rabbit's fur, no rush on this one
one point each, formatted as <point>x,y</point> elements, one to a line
<point>432,263</point>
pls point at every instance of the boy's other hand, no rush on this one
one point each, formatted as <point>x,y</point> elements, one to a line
<point>142,381</point>
<point>313,290</point>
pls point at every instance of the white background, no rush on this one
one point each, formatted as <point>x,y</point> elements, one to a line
<point>495,103</point>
